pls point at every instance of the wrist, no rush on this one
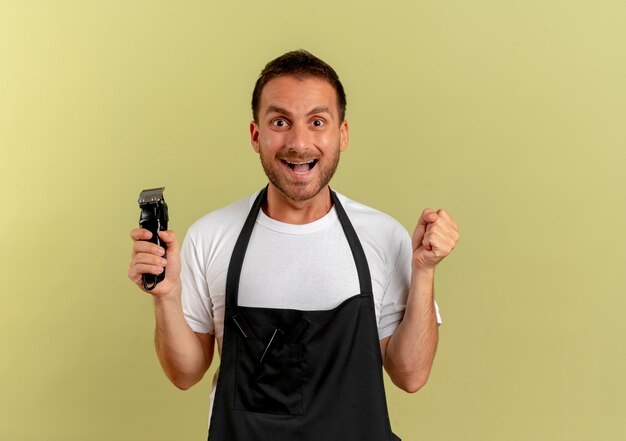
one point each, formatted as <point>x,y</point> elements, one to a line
<point>421,272</point>
<point>169,299</point>
<point>423,280</point>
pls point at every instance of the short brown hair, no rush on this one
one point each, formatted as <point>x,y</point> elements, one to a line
<point>301,64</point>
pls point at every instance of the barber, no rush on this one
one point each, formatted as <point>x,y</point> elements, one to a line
<point>307,293</point>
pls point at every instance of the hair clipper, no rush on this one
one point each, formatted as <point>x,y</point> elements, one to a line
<point>153,218</point>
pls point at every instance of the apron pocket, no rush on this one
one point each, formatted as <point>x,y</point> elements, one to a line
<point>275,386</point>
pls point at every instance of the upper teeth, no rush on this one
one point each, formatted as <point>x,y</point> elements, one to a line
<point>300,163</point>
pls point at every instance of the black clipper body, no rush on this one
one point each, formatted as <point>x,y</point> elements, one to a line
<point>154,218</point>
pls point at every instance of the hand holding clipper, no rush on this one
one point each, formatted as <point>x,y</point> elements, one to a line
<point>154,218</point>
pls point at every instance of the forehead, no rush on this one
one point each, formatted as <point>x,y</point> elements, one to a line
<point>298,93</point>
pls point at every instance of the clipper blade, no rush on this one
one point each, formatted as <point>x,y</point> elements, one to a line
<point>151,196</point>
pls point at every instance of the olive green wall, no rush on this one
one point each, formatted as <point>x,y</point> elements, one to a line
<point>509,114</point>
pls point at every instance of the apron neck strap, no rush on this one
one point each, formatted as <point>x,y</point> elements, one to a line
<point>365,279</point>
<point>239,252</point>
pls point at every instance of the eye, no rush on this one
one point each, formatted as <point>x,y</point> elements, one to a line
<point>279,122</point>
<point>318,122</point>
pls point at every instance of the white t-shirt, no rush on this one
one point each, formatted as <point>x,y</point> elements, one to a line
<point>305,267</point>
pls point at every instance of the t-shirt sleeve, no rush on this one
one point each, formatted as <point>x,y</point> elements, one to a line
<point>196,301</point>
<point>397,291</point>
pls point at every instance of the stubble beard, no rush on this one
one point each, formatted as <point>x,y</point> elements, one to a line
<point>298,190</point>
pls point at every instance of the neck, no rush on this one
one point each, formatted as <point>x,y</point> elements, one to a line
<point>283,209</point>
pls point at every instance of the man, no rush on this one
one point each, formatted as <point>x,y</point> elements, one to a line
<point>307,293</point>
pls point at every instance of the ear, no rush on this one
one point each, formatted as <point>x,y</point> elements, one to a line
<point>343,135</point>
<point>254,136</point>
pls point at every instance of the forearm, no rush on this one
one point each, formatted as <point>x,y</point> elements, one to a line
<point>182,355</point>
<point>411,349</point>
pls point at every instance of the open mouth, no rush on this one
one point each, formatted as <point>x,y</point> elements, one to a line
<point>301,168</point>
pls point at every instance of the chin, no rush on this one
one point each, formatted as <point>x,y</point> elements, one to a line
<point>298,192</point>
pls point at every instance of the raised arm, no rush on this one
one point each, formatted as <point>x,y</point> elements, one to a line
<point>408,354</point>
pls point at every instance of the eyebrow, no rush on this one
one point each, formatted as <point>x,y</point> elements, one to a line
<point>277,109</point>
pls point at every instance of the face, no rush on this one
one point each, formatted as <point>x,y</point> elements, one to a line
<point>298,135</point>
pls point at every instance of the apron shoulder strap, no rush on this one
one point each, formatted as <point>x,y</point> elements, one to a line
<point>239,252</point>
<point>365,279</point>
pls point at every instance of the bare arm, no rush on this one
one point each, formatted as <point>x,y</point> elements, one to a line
<point>184,355</point>
<point>409,353</point>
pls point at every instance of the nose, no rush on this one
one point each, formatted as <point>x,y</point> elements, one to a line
<point>298,138</point>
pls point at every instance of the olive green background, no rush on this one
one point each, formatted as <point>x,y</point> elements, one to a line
<point>511,115</point>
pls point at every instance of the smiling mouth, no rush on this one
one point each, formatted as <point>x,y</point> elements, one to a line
<point>301,168</point>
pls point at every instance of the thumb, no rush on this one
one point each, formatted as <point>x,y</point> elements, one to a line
<point>169,237</point>
<point>172,254</point>
<point>428,217</point>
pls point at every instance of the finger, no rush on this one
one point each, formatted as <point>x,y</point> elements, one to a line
<point>141,268</point>
<point>443,227</point>
<point>428,216</point>
<point>147,247</point>
<point>149,259</point>
<point>443,214</point>
<point>140,234</point>
<point>136,271</point>
<point>440,243</point>
<point>446,230</point>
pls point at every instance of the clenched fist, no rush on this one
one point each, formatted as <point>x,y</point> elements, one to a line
<point>435,236</point>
